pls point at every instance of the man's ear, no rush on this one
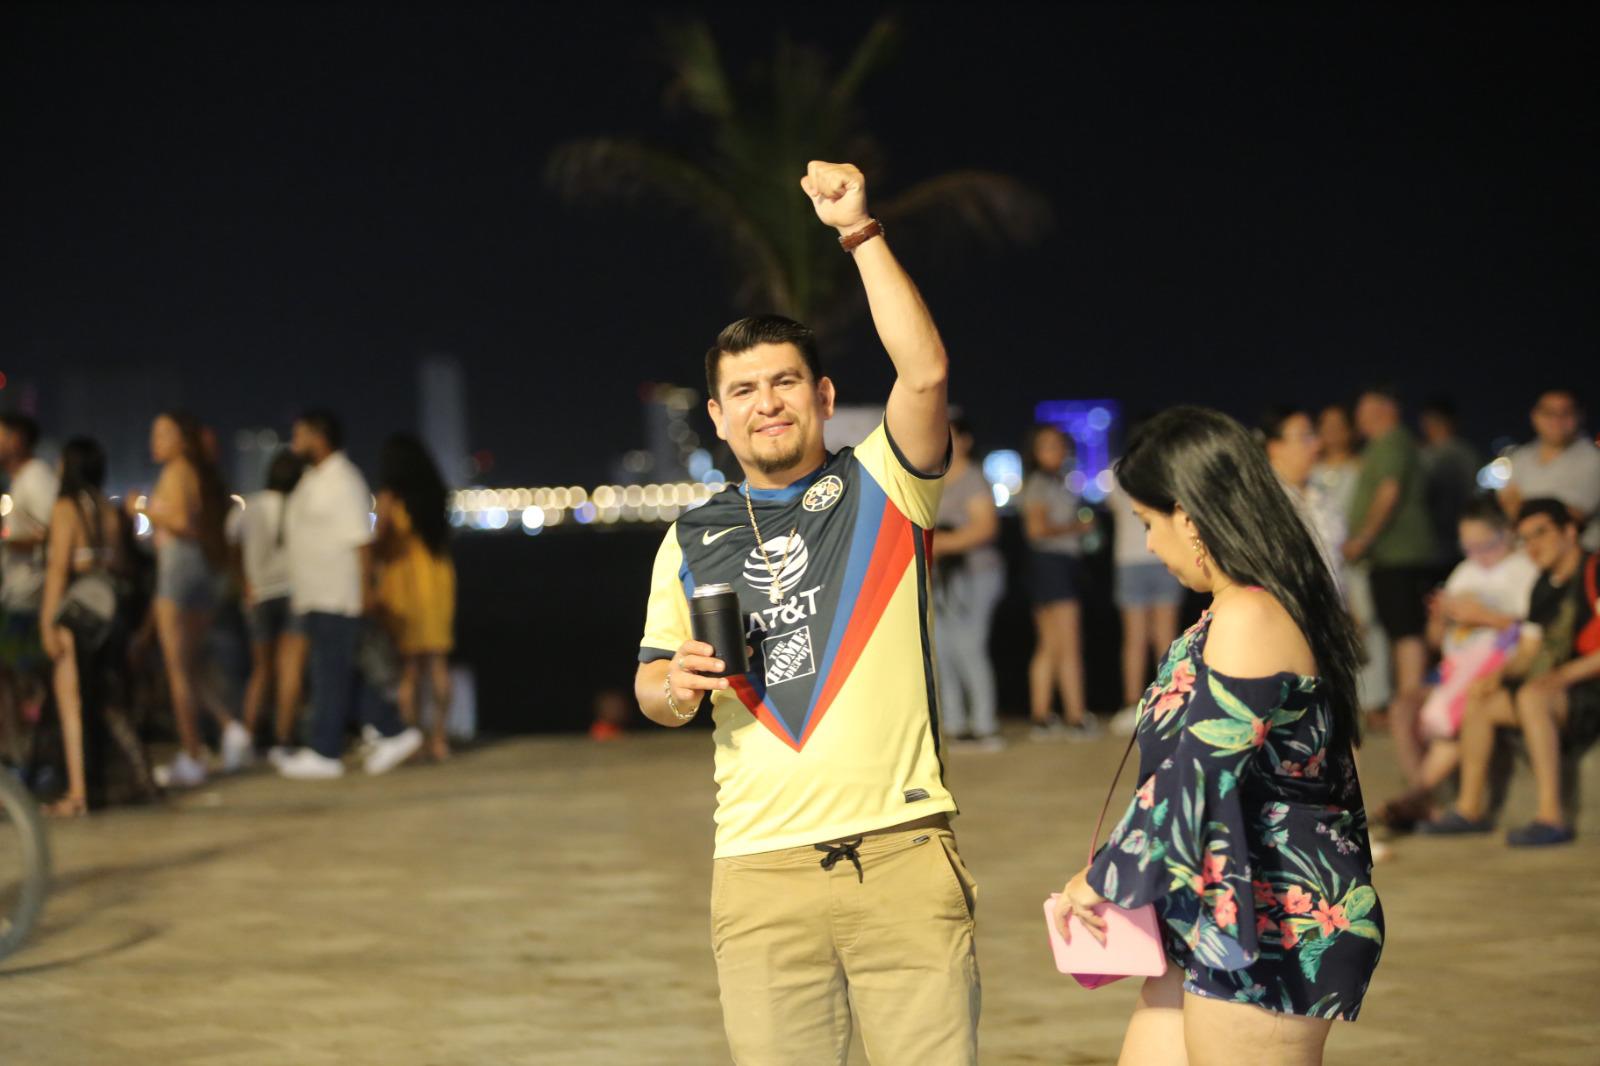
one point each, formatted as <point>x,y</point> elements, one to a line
<point>825,397</point>
<point>714,410</point>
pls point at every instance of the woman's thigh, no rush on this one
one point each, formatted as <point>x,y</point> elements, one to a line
<point>1219,1033</point>
<point>1155,1032</point>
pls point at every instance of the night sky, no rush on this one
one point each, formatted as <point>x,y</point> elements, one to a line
<point>277,207</point>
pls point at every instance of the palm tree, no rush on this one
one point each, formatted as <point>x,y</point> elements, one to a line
<point>743,187</point>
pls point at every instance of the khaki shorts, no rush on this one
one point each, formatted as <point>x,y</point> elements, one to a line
<point>799,947</point>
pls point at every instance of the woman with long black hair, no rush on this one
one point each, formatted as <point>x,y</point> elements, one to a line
<point>417,582</point>
<point>85,539</point>
<point>187,510</point>
<point>1247,830</point>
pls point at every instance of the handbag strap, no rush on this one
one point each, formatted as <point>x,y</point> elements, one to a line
<point>1094,841</point>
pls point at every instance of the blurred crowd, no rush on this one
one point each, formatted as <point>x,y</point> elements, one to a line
<point>227,629</point>
<point>1473,586</point>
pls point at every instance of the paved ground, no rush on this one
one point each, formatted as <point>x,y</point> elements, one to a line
<point>544,901</point>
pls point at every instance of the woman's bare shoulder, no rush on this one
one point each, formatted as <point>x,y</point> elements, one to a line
<point>1253,635</point>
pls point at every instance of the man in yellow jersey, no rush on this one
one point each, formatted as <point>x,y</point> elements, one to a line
<point>836,883</point>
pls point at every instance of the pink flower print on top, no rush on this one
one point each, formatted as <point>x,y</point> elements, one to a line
<point>1169,702</point>
<point>1177,690</point>
<point>1183,676</point>
<point>1296,901</point>
<point>1330,918</point>
<point>1215,864</point>
<point>1290,937</point>
<point>1147,794</point>
<point>1263,923</point>
<point>1225,910</point>
<point>1264,894</point>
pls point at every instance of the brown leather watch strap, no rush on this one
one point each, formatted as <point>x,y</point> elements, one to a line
<point>872,229</point>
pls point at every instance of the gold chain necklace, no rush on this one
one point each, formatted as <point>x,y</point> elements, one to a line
<point>776,592</point>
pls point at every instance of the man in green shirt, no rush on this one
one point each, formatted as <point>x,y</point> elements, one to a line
<point>1391,532</point>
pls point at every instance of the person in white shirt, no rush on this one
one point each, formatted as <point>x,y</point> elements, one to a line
<point>277,652</point>
<point>1560,463</point>
<point>23,532</point>
<point>1488,591</point>
<point>329,537</point>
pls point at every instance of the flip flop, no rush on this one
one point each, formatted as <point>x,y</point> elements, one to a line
<point>1539,835</point>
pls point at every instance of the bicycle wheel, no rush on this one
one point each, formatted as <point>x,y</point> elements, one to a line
<point>24,863</point>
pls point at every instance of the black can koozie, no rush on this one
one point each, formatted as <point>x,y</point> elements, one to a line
<point>715,619</point>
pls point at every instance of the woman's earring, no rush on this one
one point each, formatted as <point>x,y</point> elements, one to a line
<point>1200,555</point>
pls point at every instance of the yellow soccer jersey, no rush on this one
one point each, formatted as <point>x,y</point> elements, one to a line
<point>835,730</point>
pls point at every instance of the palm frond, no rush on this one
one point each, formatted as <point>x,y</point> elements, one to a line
<point>998,210</point>
<point>607,170</point>
<point>874,52</point>
<point>698,76</point>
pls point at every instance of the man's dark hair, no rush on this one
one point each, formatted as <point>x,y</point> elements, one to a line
<point>1561,390</point>
<point>746,333</point>
<point>326,424</point>
<point>1384,389</point>
<point>1551,508</point>
<point>22,426</point>
<point>1441,407</point>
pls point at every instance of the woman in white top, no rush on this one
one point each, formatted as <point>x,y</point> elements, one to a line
<point>85,538</point>
<point>275,652</point>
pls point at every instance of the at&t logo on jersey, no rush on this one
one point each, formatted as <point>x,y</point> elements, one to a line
<point>789,559</point>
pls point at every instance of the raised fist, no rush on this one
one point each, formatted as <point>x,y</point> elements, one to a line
<point>839,193</point>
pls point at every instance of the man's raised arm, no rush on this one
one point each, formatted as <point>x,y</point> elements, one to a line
<point>918,412</point>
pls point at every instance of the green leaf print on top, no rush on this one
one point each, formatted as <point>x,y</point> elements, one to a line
<point>1248,834</point>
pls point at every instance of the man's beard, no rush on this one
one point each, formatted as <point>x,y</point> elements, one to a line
<point>778,462</point>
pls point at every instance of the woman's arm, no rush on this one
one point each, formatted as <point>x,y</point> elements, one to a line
<point>384,510</point>
<point>58,571</point>
<point>170,506</point>
<point>981,527</point>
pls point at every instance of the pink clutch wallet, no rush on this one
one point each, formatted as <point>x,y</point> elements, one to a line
<point>1132,948</point>
<point>1133,937</point>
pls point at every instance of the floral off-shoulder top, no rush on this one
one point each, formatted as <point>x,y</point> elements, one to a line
<point>1249,835</point>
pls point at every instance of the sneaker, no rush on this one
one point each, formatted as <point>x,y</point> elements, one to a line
<point>971,742</point>
<point>1125,721</point>
<point>1539,835</point>
<point>278,753</point>
<point>1051,728</point>
<point>184,771</point>
<point>1454,823</point>
<point>307,765</point>
<point>238,750</point>
<point>1088,729</point>
<point>389,752</point>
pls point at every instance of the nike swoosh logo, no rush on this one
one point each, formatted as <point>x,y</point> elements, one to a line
<point>707,537</point>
